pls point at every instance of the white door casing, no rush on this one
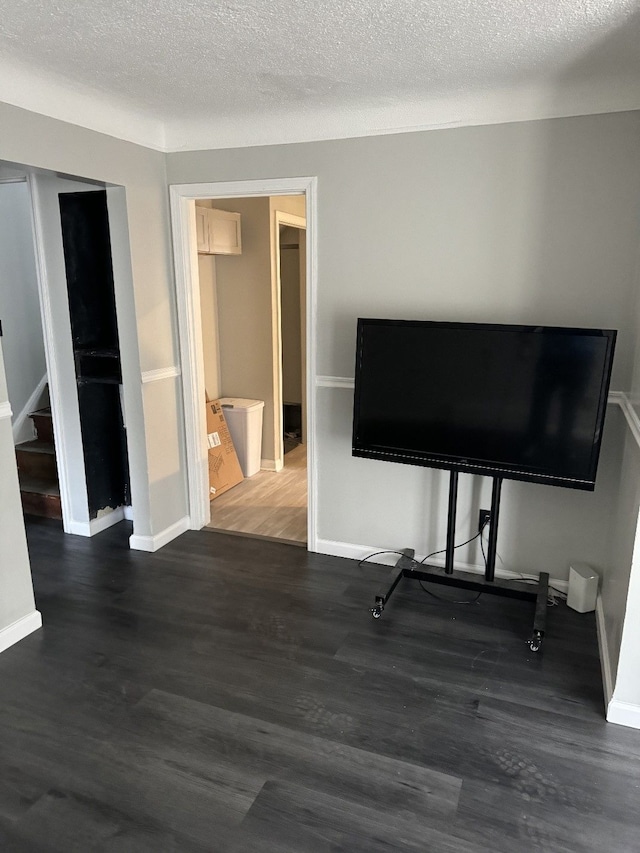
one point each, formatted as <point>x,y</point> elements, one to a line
<point>182,200</point>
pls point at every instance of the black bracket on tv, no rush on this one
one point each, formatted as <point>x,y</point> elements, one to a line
<point>406,567</point>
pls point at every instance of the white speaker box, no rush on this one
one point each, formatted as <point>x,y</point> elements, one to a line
<point>583,588</point>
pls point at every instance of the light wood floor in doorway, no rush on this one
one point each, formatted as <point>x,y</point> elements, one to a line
<point>269,503</point>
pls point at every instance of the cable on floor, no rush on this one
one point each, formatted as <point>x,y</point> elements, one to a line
<point>378,553</point>
<point>433,554</point>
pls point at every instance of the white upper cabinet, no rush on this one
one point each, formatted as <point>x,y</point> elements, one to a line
<point>218,232</point>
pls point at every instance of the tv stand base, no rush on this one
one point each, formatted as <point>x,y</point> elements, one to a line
<point>406,567</point>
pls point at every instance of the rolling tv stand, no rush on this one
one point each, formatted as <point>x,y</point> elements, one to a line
<point>406,567</point>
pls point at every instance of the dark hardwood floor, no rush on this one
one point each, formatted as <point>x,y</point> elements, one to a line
<point>235,695</point>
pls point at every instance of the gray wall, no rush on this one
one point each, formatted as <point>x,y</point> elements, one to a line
<point>22,344</point>
<point>621,583</point>
<point>209,320</point>
<point>16,591</point>
<point>153,407</point>
<point>622,534</point>
<point>532,222</point>
<point>245,315</point>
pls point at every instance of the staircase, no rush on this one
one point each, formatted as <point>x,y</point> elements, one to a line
<point>37,469</point>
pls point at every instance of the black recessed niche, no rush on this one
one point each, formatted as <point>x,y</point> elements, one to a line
<point>94,331</point>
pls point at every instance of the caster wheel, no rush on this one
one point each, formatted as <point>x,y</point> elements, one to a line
<point>376,612</point>
<point>535,643</point>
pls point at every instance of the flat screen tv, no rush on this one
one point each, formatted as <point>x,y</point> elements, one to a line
<point>519,402</point>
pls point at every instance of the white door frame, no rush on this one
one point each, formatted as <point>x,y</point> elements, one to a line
<point>185,255</point>
<point>71,479</point>
<point>50,353</point>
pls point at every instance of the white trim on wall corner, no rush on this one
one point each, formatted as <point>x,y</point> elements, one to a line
<point>29,408</point>
<point>271,465</point>
<point>603,648</point>
<point>20,629</point>
<point>631,416</point>
<point>159,540</point>
<point>160,373</point>
<point>5,410</point>
<point>623,714</point>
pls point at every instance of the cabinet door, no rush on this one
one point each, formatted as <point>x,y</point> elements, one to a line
<point>224,233</point>
<point>202,228</point>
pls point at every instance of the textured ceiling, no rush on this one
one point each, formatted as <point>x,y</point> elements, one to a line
<point>181,61</point>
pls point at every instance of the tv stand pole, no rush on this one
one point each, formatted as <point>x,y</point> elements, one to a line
<point>407,567</point>
<point>490,572</point>
<point>451,523</point>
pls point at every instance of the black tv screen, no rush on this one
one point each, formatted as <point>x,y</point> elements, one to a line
<point>520,402</point>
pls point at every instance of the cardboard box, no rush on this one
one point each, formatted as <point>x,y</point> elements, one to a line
<point>224,468</point>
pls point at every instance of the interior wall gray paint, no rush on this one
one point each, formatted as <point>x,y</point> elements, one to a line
<point>245,321</point>
<point>209,321</point>
<point>23,344</point>
<point>156,419</point>
<point>620,589</point>
<point>16,590</point>
<point>627,685</point>
<point>621,540</point>
<point>124,290</point>
<point>530,223</point>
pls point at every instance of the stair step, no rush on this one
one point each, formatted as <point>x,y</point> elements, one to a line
<point>37,458</point>
<point>45,506</point>
<point>35,445</point>
<point>43,423</point>
<point>40,496</point>
<point>38,485</point>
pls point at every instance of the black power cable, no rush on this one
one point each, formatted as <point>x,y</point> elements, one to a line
<point>433,554</point>
<point>461,545</point>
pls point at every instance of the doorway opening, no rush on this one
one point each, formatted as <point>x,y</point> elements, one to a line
<point>246,333</point>
<point>63,353</point>
<point>24,352</point>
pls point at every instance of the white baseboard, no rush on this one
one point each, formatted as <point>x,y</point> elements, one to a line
<point>17,631</point>
<point>157,541</point>
<point>77,528</point>
<point>359,552</point>
<point>128,513</point>
<point>271,465</point>
<point>603,647</point>
<point>96,525</point>
<point>623,714</point>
